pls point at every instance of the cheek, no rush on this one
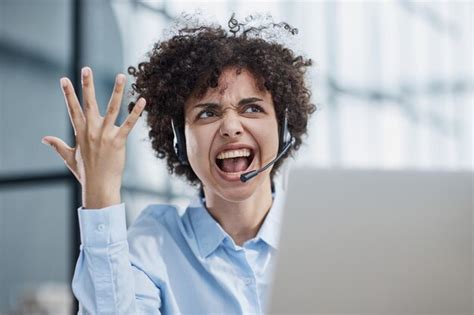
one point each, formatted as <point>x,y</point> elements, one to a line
<point>266,134</point>
<point>198,144</point>
<point>192,144</point>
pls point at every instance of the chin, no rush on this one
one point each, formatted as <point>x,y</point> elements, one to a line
<point>238,191</point>
<point>236,194</point>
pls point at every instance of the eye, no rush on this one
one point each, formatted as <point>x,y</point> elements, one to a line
<point>206,114</point>
<point>253,108</point>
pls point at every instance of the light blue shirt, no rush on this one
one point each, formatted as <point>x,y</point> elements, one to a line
<point>172,263</point>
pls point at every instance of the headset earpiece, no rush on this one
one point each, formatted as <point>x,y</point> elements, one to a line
<point>179,144</point>
<point>285,136</point>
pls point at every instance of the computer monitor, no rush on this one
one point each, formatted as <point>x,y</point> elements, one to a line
<point>375,242</point>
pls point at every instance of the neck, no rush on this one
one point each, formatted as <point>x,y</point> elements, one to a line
<point>241,219</point>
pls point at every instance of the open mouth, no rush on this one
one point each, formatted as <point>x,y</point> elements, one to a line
<point>235,161</point>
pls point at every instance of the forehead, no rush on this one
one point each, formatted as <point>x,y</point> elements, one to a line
<point>233,85</point>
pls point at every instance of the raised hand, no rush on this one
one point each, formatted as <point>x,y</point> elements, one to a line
<point>98,159</point>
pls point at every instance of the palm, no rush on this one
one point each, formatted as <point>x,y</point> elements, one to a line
<point>98,159</point>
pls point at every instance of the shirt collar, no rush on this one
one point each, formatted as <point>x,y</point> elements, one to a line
<point>209,233</point>
<point>270,230</point>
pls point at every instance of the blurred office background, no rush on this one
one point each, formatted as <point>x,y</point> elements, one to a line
<point>393,81</point>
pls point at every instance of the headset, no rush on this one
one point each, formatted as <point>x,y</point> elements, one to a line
<point>179,144</point>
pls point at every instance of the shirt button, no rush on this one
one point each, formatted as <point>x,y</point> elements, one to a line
<point>101,227</point>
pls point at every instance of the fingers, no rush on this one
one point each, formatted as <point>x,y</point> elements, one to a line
<point>113,108</point>
<point>74,108</point>
<point>88,94</point>
<point>65,151</point>
<point>132,118</point>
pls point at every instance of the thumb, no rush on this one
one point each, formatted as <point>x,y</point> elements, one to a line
<point>65,151</point>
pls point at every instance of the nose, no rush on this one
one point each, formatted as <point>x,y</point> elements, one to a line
<point>231,126</point>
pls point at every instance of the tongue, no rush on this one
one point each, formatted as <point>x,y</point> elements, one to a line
<point>235,165</point>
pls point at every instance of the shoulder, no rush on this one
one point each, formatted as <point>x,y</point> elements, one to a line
<point>156,227</point>
<point>157,212</point>
<point>158,233</point>
<point>155,218</point>
<point>161,223</point>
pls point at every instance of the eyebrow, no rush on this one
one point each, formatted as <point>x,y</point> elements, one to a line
<point>242,102</point>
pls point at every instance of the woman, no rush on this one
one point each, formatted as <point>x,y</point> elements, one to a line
<point>217,107</point>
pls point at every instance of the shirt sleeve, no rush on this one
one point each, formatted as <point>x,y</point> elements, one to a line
<point>105,281</point>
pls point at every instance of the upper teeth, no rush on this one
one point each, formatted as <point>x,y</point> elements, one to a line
<point>233,154</point>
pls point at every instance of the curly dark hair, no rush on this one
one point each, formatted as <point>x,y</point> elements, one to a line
<point>190,63</point>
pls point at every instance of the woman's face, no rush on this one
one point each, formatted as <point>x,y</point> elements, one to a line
<point>231,130</point>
